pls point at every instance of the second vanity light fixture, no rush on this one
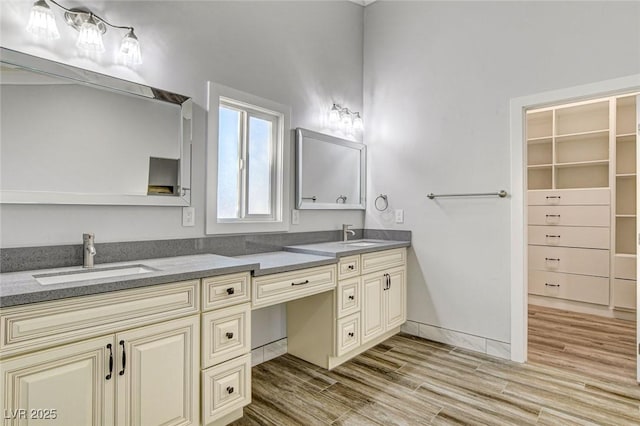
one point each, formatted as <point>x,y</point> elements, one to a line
<point>345,119</point>
<point>90,27</point>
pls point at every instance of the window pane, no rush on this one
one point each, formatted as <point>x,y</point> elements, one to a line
<point>228,163</point>
<point>259,176</point>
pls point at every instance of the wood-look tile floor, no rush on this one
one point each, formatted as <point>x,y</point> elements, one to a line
<point>587,344</point>
<point>411,381</point>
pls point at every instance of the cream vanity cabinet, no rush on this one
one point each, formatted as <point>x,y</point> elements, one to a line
<point>367,307</point>
<point>142,369</point>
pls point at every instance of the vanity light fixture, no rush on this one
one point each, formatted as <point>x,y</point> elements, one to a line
<point>345,119</point>
<point>90,27</point>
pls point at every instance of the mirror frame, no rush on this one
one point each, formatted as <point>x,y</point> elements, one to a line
<point>303,136</point>
<point>113,84</point>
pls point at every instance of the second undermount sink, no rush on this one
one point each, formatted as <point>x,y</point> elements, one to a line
<point>92,274</point>
<point>360,243</point>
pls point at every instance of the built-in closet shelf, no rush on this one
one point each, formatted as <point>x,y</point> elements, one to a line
<point>624,175</point>
<point>625,135</point>
<point>540,166</point>
<point>543,139</point>
<point>602,132</point>
<point>603,162</point>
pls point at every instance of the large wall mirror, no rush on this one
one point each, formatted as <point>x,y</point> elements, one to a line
<point>330,172</point>
<point>72,136</point>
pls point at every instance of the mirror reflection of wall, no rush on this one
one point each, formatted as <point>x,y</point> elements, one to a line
<point>72,142</point>
<point>330,172</point>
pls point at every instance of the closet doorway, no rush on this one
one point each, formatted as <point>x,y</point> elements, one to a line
<point>581,230</point>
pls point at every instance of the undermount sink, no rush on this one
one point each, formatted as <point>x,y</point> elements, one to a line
<point>92,274</point>
<point>360,243</point>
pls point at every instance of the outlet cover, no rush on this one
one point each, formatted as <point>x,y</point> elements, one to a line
<point>188,216</point>
<point>399,216</point>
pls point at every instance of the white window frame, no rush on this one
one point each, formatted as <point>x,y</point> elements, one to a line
<point>277,221</point>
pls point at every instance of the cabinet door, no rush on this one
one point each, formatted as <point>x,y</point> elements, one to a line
<point>396,298</point>
<point>66,385</point>
<point>372,310</point>
<point>158,369</point>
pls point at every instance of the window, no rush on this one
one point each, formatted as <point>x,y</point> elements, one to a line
<point>247,154</point>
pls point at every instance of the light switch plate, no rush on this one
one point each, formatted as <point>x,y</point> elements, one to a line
<point>188,216</point>
<point>399,216</point>
<point>295,217</point>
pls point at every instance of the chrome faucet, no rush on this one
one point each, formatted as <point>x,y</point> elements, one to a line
<point>346,231</point>
<point>88,250</point>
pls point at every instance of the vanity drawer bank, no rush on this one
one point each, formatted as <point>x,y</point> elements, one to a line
<point>367,307</point>
<point>128,350</point>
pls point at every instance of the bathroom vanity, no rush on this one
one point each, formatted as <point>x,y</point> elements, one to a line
<point>170,343</point>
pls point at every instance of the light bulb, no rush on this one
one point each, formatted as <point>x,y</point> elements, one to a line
<point>130,49</point>
<point>334,114</point>
<point>347,122</point>
<point>42,23</point>
<point>357,122</point>
<point>90,37</point>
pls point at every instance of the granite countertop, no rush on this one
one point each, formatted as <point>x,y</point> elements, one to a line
<point>18,288</point>
<point>340,248</point>
<point>284,261</point>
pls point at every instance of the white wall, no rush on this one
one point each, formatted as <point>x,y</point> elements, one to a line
<point>438,77</point>
<point>303,54</point>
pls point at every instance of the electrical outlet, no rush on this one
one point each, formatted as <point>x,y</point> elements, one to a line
<point>188,216</point>
<point>399,216</point>
<point>295,217</point>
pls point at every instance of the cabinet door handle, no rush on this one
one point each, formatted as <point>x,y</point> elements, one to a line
<point>350,334</point>
<point>301,283</point>
<point>552,285</point>
<point>552,236</point>
<point>124,358</point>
<point>229,389</point>
<point>552,215</point>
<point>229,335</point>
<point>389,281</point>
<point>351,267</point>
<point>230,291</point>
<point>553,196</point>
<point>352,297</point>
<point>110,361</point>
<point>555,259</point>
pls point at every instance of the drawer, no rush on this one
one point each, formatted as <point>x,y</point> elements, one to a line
<point>226,334</point>
<point>380,260</point>
<point>571,260</point>
<point>570,236</point>
<point>226,290</point>
<point>277,288</point>
<point>349,267</point>
<point>625,267</point>
<point>225,388</point>
<point>348,334</point>
<point>624,294</point>
<point>569,197</point>
<point>348,297</point>
<point>39,325</point>
<point>570,215</point>
<point>579,288</point>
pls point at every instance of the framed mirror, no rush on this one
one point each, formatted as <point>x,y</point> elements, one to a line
<point>72,136</point>
<point>330,172</point>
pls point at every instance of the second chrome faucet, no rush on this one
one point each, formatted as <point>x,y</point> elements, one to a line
<point>346,231</point>
<point>88,250</point>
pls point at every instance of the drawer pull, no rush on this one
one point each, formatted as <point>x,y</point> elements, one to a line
<point>230,291</point>
<point>555,259</point>
<point>351,334</point>
<point>553,196</point>
<point>352,267</point>
<point>301,283</point>
<point>352,297</point>
<point>552,285</point>
<point>229,335</point>
<point>110,362</point>
<point>552,236</point>
<point>229,389</point>
<point>552,215</point>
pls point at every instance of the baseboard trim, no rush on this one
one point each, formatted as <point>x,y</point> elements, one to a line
<point>268,352</point>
